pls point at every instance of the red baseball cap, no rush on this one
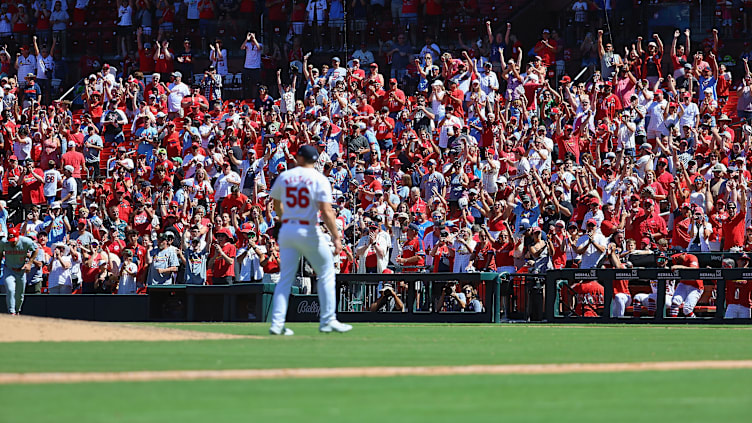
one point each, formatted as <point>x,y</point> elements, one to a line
<point>13,234</point>
<point>224,231</point>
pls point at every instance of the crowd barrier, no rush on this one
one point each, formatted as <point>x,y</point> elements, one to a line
<point>252,302</point>
<point>516,297</point>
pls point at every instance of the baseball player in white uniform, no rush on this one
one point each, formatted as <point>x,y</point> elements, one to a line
<point>299,194</point>
<point>649,301</point>
<point>642,300</point>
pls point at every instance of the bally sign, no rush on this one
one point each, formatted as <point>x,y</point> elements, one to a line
<point>304,308</point>
<point>309,308</point>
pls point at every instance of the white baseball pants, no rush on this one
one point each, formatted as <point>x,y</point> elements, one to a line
<point>296,240</point>
<point>619,304</point>
<point>687,294</point>
<point>736,311</point>
<point>649,302</point>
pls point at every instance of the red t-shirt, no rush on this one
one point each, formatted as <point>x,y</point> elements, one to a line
<point>589,296</point>
<point>503,254</point>
<point>221,267</point>
<point>568,144</point>
<point>559,255</point>
<point>205,9</point>
<point>115,246</point>
<point>382,129</point>
<point>483,256</point>
<point>32,188</point>
<point>733,230</point>
<point>393,105</point>
<point>433,8</point>
<point>90,274</point>
<point>146,61</point>
<point>689,260</point>
<point>165,64</point>
<point>75,159</point>
<point>412,248</point>
<point>681,237</point>
<point>547,54</point>
<point>142,223</point>
<point>739,292</point>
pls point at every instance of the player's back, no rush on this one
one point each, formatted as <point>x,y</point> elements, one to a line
<point>301,190</point>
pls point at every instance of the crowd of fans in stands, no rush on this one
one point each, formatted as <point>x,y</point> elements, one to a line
<point>447,159</point>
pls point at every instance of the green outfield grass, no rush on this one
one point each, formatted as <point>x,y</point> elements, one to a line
<point>699,396</point>
<point>683,396</point>
<point>387,345</point>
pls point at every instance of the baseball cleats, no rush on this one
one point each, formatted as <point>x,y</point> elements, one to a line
<point>335,326</point>
<point>285,331</point>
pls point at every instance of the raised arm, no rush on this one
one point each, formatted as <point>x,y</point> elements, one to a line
<point>639,45</point>
<point>686,41</point>
<point>659,42</point>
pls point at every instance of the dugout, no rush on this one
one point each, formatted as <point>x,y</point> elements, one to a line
<point>711,307</point>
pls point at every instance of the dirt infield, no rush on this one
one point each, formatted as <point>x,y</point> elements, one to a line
<point>350,372</point>
<point>42,329</point>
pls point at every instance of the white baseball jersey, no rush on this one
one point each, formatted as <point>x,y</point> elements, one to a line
<point>301,190</point>
<point>670,287</point>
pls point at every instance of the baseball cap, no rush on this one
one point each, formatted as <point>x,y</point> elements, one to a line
<point>414,227</point>
<point>309,153</point>
<point>224,231</point>
<point>592,222</point>
<point>13,234</point>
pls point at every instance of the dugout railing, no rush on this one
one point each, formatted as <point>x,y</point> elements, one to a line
<point>420,294</point>
<point>713,302</point>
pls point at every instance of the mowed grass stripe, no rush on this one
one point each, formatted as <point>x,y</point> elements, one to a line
<point>700,396</point>
<point>378,346</point>
<point>370,372</point>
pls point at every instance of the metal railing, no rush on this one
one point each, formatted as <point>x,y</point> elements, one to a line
<point>559,283</point>
<point>420,294</point>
